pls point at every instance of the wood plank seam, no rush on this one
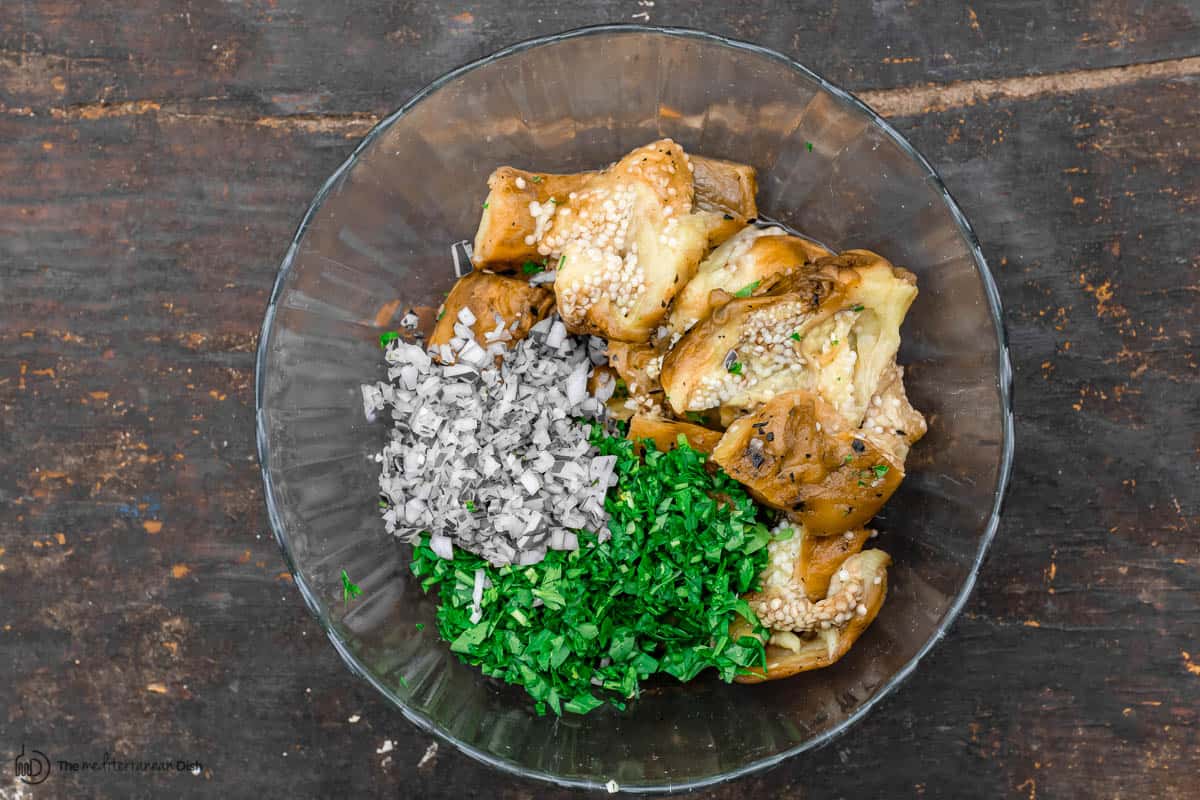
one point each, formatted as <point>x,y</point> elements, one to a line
<point>896,102</point>
<point>913,100</point>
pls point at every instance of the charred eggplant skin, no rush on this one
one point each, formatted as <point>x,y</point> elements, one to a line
<point>790,461</point>
<point>665,433</point>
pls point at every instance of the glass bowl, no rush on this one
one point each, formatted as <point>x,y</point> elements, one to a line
<point>377,240</point>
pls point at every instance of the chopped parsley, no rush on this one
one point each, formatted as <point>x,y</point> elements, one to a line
<point>735,368</point>
<point>470,506</point>
<point>441,314</point>
<point>485,204</point>
<point>695,416</point>
<point>388,336</point>
<point>747,290</point>
<point>808,146</point>
<point>857,307</point>
<point>833,341</point>
<point>532,268</point>
<point>797,337</point>
<point>536,179</point>
<point>655,598</point>
<point>349,590</point>
<point>420,626</point>
<point>880,470</point>
<point>562,260</point>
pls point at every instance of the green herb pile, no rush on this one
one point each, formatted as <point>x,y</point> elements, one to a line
<point>657,597</point>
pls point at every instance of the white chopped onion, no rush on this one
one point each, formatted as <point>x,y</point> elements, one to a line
<point>530,481</point>
<point>577,384</point>
<point>485,453</point>
<point>477,597</point>
<point>473,354</point>
<point>458,370</point>
<point>557,335</point>
<point>605,388</point>
<point>441,545</point>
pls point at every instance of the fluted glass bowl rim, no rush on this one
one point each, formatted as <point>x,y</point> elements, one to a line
<point>1004,378</point>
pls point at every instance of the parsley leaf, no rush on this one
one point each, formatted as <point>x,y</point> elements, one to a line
<point>735,368</point>
<point>808,146</point>
<point>349,590</point>
<point>388,336</point>
<point>797,337</point>
<point>880,470</point>
<point>747,290</point>
<point>857,307</point>
<point>532,268</point>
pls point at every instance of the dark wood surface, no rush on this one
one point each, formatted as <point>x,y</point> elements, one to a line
<point>155,157</point>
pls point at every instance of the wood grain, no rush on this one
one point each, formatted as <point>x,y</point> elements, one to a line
<point>157,156</point>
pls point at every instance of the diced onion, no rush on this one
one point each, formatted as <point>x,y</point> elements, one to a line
<point>486,452</point>
<point>477,597</point>
<point>441,545</point>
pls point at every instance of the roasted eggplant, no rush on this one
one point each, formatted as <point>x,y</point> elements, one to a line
<point>833,331</point>
<point>665,433</point>
<point>796,455</point>
<point>725,196</point>
<point>747,265</point>
<point>507,236</point>
<point>503,309</point>
<point>627,243</point>
<point>807,635</point>
<point>505,239</point>
<point>892,425</point>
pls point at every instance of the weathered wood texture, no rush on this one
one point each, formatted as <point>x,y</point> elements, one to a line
<point>155,157</point>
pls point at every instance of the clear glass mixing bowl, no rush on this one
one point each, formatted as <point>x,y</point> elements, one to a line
<point>377,240</point>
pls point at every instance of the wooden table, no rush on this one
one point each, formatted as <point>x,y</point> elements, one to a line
<point>155,157</point>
